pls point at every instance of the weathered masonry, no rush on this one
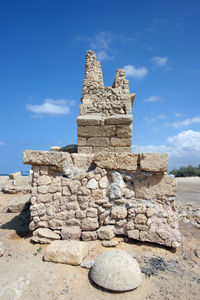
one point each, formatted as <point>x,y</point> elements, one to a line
<point>104,190</point>
<point>105,121</point>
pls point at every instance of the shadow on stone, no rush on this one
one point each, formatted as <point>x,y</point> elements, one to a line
<point>20,224</point>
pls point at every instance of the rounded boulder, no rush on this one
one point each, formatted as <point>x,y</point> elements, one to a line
<point>116,270</point>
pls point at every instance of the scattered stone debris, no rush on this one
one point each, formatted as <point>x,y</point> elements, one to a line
<point>116,270</point>
<point>189,215</point>
<point>197,253</point>
<point>66,252</point>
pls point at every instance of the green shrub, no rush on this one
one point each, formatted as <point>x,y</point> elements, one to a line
<point>186,171</point>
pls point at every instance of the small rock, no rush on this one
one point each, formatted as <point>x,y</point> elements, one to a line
<point>87,264</point>
<point>66,252</point>
<point>44,236</point>
<point>15,175</point>
<point>106,232</point>
<point>116,270</point>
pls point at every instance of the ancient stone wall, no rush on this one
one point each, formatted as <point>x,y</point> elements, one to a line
<point>99,196</point>
<point>105,121</point>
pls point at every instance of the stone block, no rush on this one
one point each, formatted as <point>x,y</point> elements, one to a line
<point>81,141</point>
<point>47,158</point>
<point>124,131</point>
<point>82,161</point>
<point>44,180</point>
<point>117,161</point>
<point>133,234</point>
<point>85,150</point>
<point>93,120</point>
<point>120,142</point>
<point>71,233</point>
<point>89,224</point>
<point>89,235</point>
<point>92,184</point>
<point>104,182</point>
<point>66,252</point>
<point>123,149</point>
<point>97,142</point>
<point>106,232</point>
<point>154,162</point>
<point>140,219</point>
<point>96,131</point>
<point>119,120</point>
<point>156,186</point>
<point>118,212</point>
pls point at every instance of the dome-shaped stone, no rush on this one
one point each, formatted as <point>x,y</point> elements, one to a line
<point>116,270</point>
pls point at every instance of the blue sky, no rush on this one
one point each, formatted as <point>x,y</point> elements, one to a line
<point>42,55</point>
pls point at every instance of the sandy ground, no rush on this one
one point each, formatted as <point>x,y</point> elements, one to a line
<point>167,274</point>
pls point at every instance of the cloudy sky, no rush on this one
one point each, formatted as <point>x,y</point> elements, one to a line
<point>43,44</point>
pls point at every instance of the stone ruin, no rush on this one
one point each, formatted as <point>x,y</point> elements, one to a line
<point>104,190</point>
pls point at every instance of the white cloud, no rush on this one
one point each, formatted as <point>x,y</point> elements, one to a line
<point>187,122</point>
<point>2,144</point>
<point>51,107</point>
<point>102,45</point>
<point>160,61</point>
<point>152,99</point>
<point>103,55</point>
<point>137,73</point>
<point>177,114</point>
<point>183,148</point>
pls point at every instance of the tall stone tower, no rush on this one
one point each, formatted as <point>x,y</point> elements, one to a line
<point>105,121</point>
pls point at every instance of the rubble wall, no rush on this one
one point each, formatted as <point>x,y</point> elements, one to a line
<point>102,195</point>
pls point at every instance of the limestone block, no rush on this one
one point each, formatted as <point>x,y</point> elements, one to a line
<point>103,183</point>
<point>96,131</point>
<point>89,224</point>
<point>133,234</point>
<point>106,232</point>
<point>19,203</point>
<point>81,141</point>
<point>123,149</point>
<point>92,212</point>
<point>119,120</point>
<point>156,186</point>
<point>71,233</point>
<point>120,142</point>
<point>140,219</point>
<point>124,131</point>
<point>103,149</point>
<point>92,184</point>
<point>118,212</point>
<point>82,161</point>
<point>117,161</point>
<point>44,198</point>
<point>97,194</point>
<point>66,252</point>
<point>154,162</point>
<point>89,235</point>
<point>80,214</point>
<point>66,191</point>
<point>90,120</point>
<point>82,190</point>
<point>96,142</point>
<point>130,225</point>
<point>74,185</point>
<point>85,150</point>
<point>47,158</point>
<point>44,236</point>
<point>44,180</point>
